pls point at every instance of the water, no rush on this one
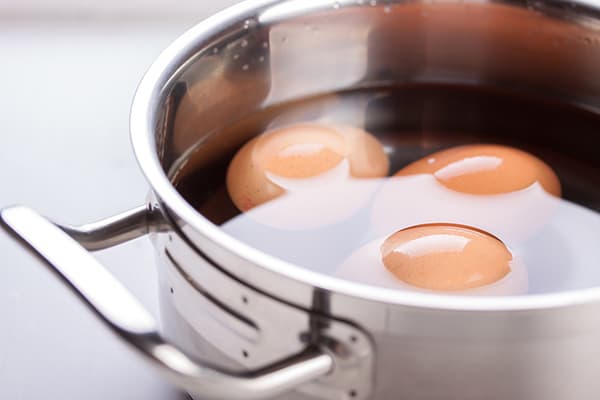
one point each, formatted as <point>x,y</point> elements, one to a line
<point>555,240</point>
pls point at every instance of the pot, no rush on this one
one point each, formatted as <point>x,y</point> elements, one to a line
<point>241,324</point>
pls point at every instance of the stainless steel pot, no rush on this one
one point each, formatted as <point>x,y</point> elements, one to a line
<point>240,324</point>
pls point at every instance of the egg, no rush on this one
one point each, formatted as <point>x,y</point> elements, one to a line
<point>485,169</point>
<point>302,158</point>
<point>495,188</point>
<point>445,257</point>
<point>404,201</point>
<point>440,258</point>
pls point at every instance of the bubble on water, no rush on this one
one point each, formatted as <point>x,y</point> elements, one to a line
<point>336,5</point>
<point>249,23</point>
<point>215,50</point>
<point>373,3</point>
<point>387,9</point>
<point>261,58</point>
<point>265,44</point>
<point>245,67</point>
<point>236,56</point>
<point>244,43</point>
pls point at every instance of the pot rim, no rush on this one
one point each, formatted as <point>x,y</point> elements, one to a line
<point>147,100</point>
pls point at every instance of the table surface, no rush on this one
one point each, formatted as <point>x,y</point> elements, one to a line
<point>67,86</point>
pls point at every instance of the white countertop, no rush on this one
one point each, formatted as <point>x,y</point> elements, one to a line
<point>67,84</point>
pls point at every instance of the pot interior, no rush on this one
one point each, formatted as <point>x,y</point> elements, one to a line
<point>420,77</point>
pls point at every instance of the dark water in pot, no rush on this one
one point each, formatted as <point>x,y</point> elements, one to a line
<point>556,240</point>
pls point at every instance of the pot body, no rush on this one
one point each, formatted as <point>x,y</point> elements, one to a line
<point>234,306</point>
<point>549,353</point>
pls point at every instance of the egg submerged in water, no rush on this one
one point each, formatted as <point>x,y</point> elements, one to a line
<point>294,158</point>
<point>485,169</point>
<point>306,175</point>
<point>445,258</point>
<point>499,189</point>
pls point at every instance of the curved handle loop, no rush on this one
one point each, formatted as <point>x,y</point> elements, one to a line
<point>126,317</point>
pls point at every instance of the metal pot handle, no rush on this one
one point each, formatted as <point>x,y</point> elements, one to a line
<point>126,317</point>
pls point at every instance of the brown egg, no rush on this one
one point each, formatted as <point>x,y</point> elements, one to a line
<point>485,170</point>
<point>445,257</point>
<point>512,217</point>
<point>299,158</point>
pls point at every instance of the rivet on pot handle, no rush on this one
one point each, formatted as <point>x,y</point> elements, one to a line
<point>125,316</point>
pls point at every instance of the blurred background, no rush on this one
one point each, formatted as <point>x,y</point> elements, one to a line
<point>68,72</point>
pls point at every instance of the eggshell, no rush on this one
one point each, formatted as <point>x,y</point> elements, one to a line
<point>365,266</point>
<point>445,257</point>
<point>308,158</point>
<point>485,169</point>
